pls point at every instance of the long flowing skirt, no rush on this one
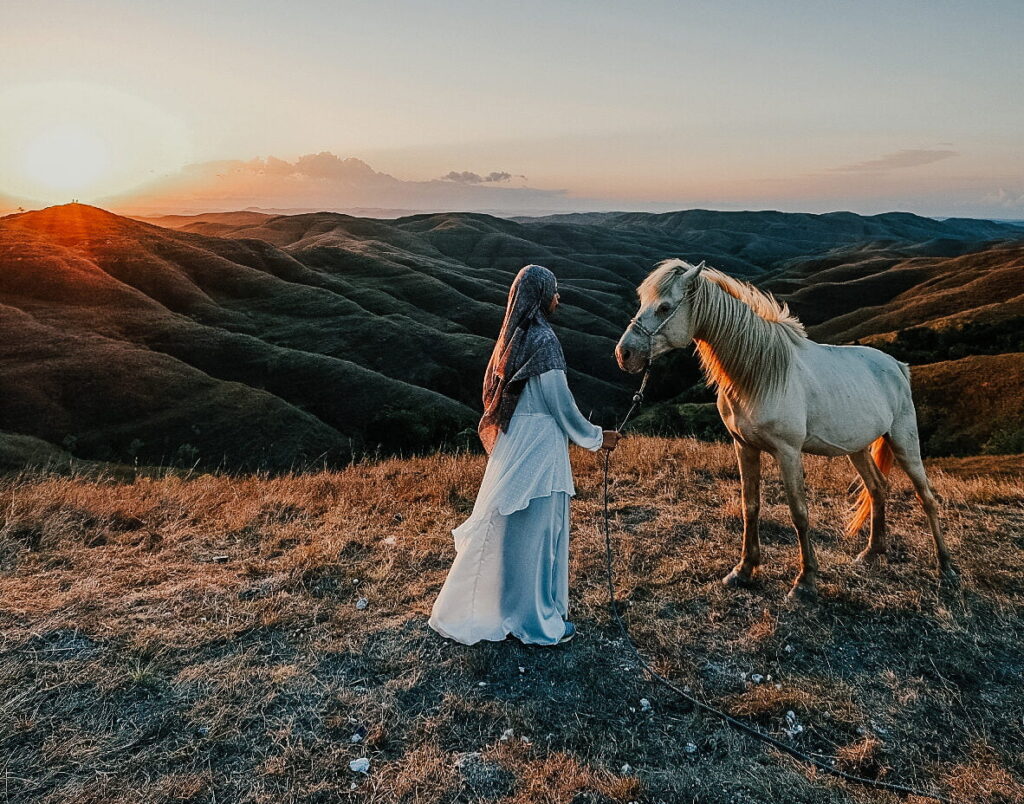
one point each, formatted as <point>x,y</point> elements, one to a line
<point>510,576</point>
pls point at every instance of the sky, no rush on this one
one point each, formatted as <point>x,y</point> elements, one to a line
<point>799,105</point>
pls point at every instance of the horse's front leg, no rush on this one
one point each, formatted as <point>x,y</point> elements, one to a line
<point>749,460</point>
<point>792,468</point>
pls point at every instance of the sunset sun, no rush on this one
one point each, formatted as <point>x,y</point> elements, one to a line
<point>68,158</point>
<point>71,140</point>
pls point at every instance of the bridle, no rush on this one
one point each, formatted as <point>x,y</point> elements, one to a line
<point>651,334</point>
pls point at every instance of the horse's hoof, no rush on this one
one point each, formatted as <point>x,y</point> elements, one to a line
<point>949,576</point>
<point>869,557</point>
<point>738,580</point>
<point>803,593</point>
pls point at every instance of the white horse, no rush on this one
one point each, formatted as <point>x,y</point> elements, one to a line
<point>780,392</point>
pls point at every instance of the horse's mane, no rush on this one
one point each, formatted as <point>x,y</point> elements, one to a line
<point>745,346</point>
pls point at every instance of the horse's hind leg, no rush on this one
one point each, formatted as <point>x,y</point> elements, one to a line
<point>876,485</point>
<point>749,460</point>
<point>791,465</point>
<point>907,450</point>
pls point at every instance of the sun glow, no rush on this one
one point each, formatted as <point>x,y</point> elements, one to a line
<point>64,141</point>
<point>66,158</point>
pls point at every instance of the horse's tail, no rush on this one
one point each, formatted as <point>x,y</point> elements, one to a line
<point>881,454</point>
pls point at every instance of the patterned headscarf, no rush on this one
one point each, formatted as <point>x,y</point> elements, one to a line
<point>526,347</point>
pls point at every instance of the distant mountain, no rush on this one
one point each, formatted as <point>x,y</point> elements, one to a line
<point>750,243</point>
<point>247,340</point>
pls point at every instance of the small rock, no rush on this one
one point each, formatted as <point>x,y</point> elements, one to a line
<point>756,678</point>
<point>789,649</point>
<point>626,769</point>
<point>202,731</point>
<point>485,778</point>
<point>691,748</point>
<point>362,603</point>
<point>507,735</point>
<point>358,735</point>
<point>390,540</point>
<point>220,559</point>
<point>645,705</point>
<point>481,683</point>
<point>361,765</point>
<point>522,669</point>
<point>526,740</point>
<point>793,727</point>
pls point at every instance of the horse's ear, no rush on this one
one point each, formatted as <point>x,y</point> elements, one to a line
<point>694,271</point>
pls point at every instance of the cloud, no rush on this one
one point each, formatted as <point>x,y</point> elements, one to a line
<point>468,177</point>
<point>1008,199</point>
<point>907,158</point>
<point>327,181</point>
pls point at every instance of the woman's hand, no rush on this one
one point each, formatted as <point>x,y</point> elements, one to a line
<point>611,439</point>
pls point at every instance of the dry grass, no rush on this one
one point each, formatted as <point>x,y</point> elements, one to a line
<point>196,639</point>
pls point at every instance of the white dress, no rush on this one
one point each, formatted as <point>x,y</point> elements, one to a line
<point>511,570</point>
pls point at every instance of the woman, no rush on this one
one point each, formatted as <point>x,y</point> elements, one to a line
<point>511,571</point>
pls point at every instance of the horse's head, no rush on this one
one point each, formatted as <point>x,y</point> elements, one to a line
<point>664,321</point>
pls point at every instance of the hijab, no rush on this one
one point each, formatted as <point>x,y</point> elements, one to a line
<point>527,346</point>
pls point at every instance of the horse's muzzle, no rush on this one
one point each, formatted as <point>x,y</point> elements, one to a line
<point>630,359</point>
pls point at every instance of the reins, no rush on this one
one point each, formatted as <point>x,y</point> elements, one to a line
<point>739,725</point>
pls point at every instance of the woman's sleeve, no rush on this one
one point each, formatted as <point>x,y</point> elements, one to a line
<point>555,389</point>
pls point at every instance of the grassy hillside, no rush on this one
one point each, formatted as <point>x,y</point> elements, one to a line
<point>982,287</point>
<point>248,341</point>
<point>971,402</point>
<point>198,639</point>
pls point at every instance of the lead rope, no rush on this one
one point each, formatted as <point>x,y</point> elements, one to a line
<point>739,725</point>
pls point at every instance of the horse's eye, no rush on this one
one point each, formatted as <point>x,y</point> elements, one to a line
<point>663,308</point>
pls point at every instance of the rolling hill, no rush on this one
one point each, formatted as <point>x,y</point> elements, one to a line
<point>245,340</point>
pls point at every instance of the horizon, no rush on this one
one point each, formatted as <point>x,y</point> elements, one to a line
<point>363,213</point>
<point>456,107</point>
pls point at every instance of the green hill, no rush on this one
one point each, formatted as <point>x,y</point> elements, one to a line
<point>245,340</point>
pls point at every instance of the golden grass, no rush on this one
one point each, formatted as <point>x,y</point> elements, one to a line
<point>196,639</point>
